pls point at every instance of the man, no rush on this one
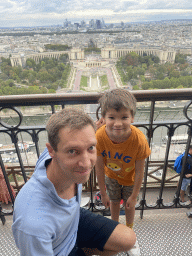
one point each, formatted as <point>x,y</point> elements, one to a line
<point>47,216</point>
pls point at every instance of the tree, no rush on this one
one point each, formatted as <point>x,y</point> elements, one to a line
<point>24,74</point>
<point>43,90</point>
<point>30,63</point>
<point>155,59</point>
<point>174,73</point>
<point>180,58</point>
<point>61,66</point>
<point>147,85</point>
<point>3,76</point>
<point>10,82</point>
<point>166,83</point>
<point>174,82</point>
<point>132,59</point>
<point>51,91</point>
<point>43,76</point>
<point>136,87</point>
<point>64,58</point>
<point>31,78</point>
<point>5,68</point>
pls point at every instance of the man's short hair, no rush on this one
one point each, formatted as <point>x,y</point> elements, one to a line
<point>67,118</point>
<point>117,99</point>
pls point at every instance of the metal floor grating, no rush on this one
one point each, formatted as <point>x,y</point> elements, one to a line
<point>159,233</point>
<point>164,232</point>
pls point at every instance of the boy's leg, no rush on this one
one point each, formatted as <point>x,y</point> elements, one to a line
<point>115,210</point>
<point>190,188</point>
<point>184,185</point>
<point>182,195</point>
<point>129,213</point>
<point>104,236</point>
<point>114,193</point>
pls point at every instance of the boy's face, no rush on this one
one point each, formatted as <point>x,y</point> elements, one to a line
<point>118,124</point>
<point>190,151</point>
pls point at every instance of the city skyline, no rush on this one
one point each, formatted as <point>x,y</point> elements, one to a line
<point>30,13</point>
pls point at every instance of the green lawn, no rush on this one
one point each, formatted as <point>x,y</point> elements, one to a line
<point>104,82</point>
<point>83,82</point>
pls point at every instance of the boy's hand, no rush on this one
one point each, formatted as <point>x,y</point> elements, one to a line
<point>105,200</point>
<point>100,123</point>
<point>188,175</point>
<point>131,202</point>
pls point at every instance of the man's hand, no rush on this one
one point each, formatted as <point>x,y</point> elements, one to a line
<point>131,202</point>
<point>105,200</point>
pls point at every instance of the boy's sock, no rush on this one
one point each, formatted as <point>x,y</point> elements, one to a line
<point>129,225</point>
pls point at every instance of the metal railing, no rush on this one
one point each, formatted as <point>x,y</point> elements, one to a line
<point>150,125</point>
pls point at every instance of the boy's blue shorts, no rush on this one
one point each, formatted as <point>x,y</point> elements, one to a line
<point>185,183</point>
<point>93,232</point>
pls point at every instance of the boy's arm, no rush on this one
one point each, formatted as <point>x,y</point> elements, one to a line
<point>139,173</point>
<point>100,172</point>
<point>188,175</point>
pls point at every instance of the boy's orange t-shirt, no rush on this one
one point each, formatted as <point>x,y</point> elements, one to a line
<point>119,159</point>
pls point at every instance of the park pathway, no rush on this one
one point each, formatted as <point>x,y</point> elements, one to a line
<point>77,81</point>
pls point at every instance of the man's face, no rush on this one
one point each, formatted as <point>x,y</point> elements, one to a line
<point>75,155</point>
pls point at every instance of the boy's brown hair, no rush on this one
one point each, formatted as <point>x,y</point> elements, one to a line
<point>117,99</point>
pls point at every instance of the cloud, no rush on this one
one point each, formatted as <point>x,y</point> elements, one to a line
<point>50,12</point>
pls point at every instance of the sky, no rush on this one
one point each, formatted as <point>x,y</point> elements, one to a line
<point>22,13</point>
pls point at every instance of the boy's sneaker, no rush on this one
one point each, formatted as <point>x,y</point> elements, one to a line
<point>135,251</point>
<point>189,214</point>
<point>186,203</point>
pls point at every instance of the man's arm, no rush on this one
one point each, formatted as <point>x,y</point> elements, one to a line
<point>100,172</point>
<point>139,173</point>
<point>32,245</point>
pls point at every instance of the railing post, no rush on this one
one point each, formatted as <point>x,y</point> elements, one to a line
<point>150,135</point>
<point>15,140</point>
<point>36,139</point>
<point>170,134</point>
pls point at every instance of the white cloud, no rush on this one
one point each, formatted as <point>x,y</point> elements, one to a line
<point>47,12</point>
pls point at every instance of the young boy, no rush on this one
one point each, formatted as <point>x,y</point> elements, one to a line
<point>121,153</point>
<point>187,175</point>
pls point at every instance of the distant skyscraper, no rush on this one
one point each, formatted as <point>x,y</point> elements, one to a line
<point>76,25</point>
<point>92,23</point>
<point>83,23</point>
<point>102,23</point>
<point>98,24</point>
<point>66,23</point>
